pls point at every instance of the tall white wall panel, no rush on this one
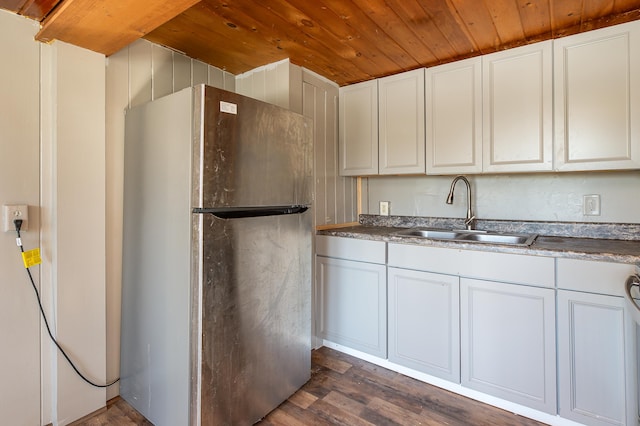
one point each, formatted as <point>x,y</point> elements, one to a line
<point>19,183</point>
<point>73,214</point>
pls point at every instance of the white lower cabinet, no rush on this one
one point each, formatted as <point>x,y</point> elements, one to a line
<point>492,322</point>
<point>424,322</point>
<point>591,358</point>
<point>508,342</point>
<point>351,293</point>
<point>596,344</point>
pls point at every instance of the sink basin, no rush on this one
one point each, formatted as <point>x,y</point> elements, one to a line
<point>469,236</point>
<point>501,238</point>
<point>435,234</point>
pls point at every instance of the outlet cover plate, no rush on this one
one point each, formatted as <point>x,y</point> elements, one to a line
<point>10,212</point>
<point>384,208</point>
<point>591,205</point>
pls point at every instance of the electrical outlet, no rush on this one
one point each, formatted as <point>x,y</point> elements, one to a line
<point>384,208</point>
<point>591,205</point>
<point>12,212</point>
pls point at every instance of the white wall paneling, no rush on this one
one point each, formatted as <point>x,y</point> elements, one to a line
<point>74,185</point>
<point>117,83</point>
<point>279,83</point>
<point>335,196</point>
<point>53,134</point>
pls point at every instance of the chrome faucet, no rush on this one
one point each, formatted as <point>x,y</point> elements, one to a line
<point>468,222</point>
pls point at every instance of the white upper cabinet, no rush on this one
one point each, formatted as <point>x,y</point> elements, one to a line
<point>597,99</point>
<point>382,126</point>
<point>571,104</point>
<point>454,117</point>
<point>358,124</point>
<point>401,123</point>
<point>517,109</point>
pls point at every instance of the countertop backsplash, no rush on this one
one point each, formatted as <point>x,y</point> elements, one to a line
<point>612,231</point>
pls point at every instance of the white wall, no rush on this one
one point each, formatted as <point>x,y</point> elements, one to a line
<point>19,183</point>
<point>52,139</point>
<point>73,224</point>
<point>543,196</point>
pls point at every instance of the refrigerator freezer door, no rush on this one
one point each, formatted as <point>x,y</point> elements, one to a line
<point>256,155</point>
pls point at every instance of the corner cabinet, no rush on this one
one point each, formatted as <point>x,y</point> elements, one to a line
<point>382,126</point>
<point>454,117</point>
<point>597,99</point>
<point>358,129</point>
<point>351,293</point>
<point>517,109</point>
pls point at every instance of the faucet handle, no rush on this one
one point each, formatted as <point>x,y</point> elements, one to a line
<point>468,222</point>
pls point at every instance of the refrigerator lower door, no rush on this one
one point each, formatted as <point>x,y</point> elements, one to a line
<point>253,314</point>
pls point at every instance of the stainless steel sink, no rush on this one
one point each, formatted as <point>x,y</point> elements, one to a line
<point>469,236</point>
<point>435,234</point>
<point>525,240</point>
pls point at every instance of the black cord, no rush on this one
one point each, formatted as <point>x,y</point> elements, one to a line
<point>18,225</point>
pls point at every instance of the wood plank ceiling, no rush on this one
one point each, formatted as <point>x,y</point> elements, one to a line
<point>346,41</point>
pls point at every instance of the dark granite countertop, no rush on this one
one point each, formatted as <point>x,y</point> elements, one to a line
<point>599,249</point>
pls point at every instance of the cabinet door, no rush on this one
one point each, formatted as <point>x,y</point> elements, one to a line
<point>454,117</point>
<point>517,109</point>
<point>508,342</point>
<point>597,99</point>
<point>591,358</point>
<point>359,129</point>
<point>401,123</point>
<point>424,322</point>
<point>353,304</point>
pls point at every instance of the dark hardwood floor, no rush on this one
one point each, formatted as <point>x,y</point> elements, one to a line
<point>344,390</point>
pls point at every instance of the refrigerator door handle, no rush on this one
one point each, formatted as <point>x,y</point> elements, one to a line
<point>244,212</point>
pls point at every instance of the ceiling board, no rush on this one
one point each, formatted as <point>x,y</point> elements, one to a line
<point>107,26</point>
<point>346,41</point>
<point>536,20</point>
<point>506,18</point>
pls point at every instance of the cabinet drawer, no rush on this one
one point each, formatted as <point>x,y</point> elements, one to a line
<point>593,277</point>
<point>351,248</point>
<point>420,258</point>
<point>512,268</point>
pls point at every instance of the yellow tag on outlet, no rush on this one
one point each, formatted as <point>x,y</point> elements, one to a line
<point>31,258</point>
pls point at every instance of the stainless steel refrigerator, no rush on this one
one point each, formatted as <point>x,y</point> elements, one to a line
<point>216,258</point>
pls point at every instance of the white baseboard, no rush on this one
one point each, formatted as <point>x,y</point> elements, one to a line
<point>518,409</point>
